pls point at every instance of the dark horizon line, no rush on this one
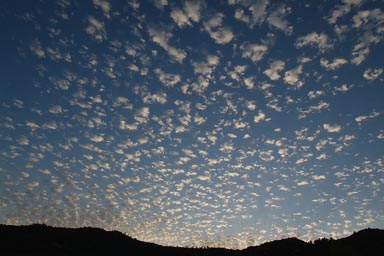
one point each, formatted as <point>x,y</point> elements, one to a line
<point>320,239</point>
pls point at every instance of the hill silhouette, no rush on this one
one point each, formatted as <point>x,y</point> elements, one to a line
<point>40,239</point>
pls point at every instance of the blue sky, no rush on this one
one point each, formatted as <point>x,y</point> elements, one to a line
<point>193,123</point>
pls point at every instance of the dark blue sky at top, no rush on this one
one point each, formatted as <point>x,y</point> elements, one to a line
<point>220,123</point>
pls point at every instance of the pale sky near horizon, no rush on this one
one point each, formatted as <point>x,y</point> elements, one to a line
<point>193,123</point>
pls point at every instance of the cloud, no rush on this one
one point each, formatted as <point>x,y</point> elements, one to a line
<point>259,11</point>
<point>192,9</point>
<point>372,74</point>
<point>369,23</point>
<point>318,177</point>
<point>161,37</point>
<point>167,79</point>
<point>33,126</point>
<point>332,128</point>
<point>198,119</point>
<point>24,174</point>
<point>33,184</point>
<point>251,105</point>
<point>142,115</point>
<point>335,64</point>
<point>292,76</point>
<point>97,138</point>
<point>341,10</point>
<point>240,15</point>
<point>361,18</point>
<point>180,17</point>
<point>259,117</point>
<point>96,29</point>
<point>206,67</point>
<point>104,6</point>
<point>158,97</point>
<point>221,35</point>
<point>274,69</point>
<point>56,109</point>
<point>37,49</point>
<point>321,41</point>
<point>255,52</point>
<point>343,88</point>
<point>363,118</point>
<point>277,19</point>
<point>359,55</point>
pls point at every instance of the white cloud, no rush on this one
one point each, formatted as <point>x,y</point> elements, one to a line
<point>33,126</point>
<point>372,74</point>
<point>226,147</point>
<point>240,15</point>
<point>361,18</point>
<point>142,140</point>
<point>335,64</point>
<point>192,9</point>
<point>251,105</point>
<point>96,29</point>
<point>33,184</point>
<point>50,125</point>
<point>277,19</point>
<point>314,39</point>
<point>56,109</point>
<point>315,94</point>
<point>359,55</point>
<point>274,69</point>
<point>318,177</point>
<point>37,49</point>
<point>158,97</point>
<point>255,52</point>
<point>343,88</point>
<point>104,6</point>
<point>180,17</point>
<point>97,138</point>
<point>142,115</point>
<point>167,79</point>
<point>363,118</point>
<point>23,140</point>
<point>206,67</point>
<point>332,128</point>
<point>222,35</point>
<point>369,23</point>
<point>341,10</point>
<point>249,82</point>
<point>198,119</point>
<point>303,183</point>
<point>259,11</point>
<point>260,116</point>
<point>161,37</point>
<point>292,76</point>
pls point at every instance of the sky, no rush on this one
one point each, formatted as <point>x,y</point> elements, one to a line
<point>193,123</point>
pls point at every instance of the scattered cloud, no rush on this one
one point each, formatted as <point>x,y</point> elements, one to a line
<point>274,69</point>
<point>162,37</point>
<point>334,64</point>
<point>292,76</point>
<point>372,74</point>
<point>221,34</point>
<point>363,118</point>
<point>96,29</point>
<point>321,41</point>
<point>255,52</point>
<point>277,19</point>
<point>332,128</point>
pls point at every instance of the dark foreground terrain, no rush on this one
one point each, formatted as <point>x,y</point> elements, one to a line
<point>45,240</point>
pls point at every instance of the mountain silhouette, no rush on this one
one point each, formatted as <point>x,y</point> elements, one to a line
<point>38,239</point>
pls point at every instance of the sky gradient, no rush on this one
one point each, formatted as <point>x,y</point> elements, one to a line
<point>193,123</point>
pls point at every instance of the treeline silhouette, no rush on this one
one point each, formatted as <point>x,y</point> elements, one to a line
<point>38,239</point>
